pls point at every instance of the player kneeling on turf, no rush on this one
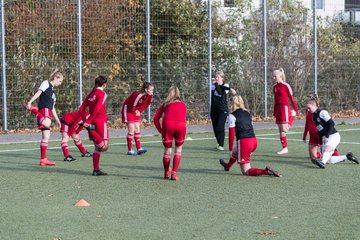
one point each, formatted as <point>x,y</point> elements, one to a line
<point>240,124</point>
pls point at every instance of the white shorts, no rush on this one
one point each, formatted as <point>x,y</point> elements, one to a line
<point>333,140</point>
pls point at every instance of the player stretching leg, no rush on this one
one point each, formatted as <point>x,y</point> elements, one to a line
<point>96,122</point>
<point>45,111</point>
<point>241,126</point>
<point>327,133</point>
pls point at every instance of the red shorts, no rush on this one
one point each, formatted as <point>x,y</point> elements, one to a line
<point>314,138</point>
<point>70,129</point>
<point>173,130</point>
<point>101,128</point>
<point>128,117</point>
<point>243,149</point>
<point>282,113</point>
<point>44,113</point>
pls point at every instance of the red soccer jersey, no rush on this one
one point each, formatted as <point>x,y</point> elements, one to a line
<point>96,104</point>
<point>309,125</point>
<point>71,117</point>
<point>173,112</point>
<point>138,101</point>
<point>282,93</point>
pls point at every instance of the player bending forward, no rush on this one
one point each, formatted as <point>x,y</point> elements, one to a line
<point>173,114</point>
<point>240,124</point>
<point>70,128</point>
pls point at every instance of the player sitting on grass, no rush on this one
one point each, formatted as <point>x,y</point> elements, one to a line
<point>240,124</point>
<point>327,134</point>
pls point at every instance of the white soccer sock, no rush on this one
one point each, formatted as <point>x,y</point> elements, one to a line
<point>336,159</point>
<point>326,157</point>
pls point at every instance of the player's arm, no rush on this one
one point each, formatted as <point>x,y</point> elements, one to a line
<point>306,129</point>
<point>36,96</point>
<point>56,117</point>
<point>100,102</point>
<point>327,118</point>
<point>292,99</point>
<point>157,117</point>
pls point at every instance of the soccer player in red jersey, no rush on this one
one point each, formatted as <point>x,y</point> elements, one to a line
<point>131,111</point>
<point>283,115</point>
<point>96,122</point>
<point>241,125</point>
<point>173,114</point>
<point>70,126</point>
<point>45,111</point>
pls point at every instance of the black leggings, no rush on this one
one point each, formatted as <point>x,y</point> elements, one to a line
<point>218,120</point>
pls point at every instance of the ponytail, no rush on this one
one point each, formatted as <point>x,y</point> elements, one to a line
<point>280,72</point>
<point>99,81</point>
<point>145,86</point>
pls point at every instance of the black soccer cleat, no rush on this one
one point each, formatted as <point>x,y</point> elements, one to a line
<point>87,154</point>
<point>69,159</point>
<point>271,172</point>
<point>318,163</point>
<point>350,156</point>
<point>99,173</point>
<point>223,163</point>
<point>141,151</point>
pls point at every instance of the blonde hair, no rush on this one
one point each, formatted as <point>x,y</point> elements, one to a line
<point>314,99</point>
<point>280,72</point>
<point>173,94</point>
<point>56,73</point>
<point>220,73</point>
<point>237,103</point>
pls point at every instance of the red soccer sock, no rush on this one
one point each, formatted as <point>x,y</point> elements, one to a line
<point>336,153</point>
<point>96,160</point>
<point>137,140</point>
<point>80,146</point>
<point>283,140</point>
<point>129,141</point>
<point>318,155</point>
<point>43,149</point>
<point>231,162</point>
<point>65,149</point>
<point>176,161</point>
<point>256,172</point>
<point>166,162</point>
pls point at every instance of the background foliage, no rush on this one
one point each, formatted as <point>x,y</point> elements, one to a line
<point>41,35</point>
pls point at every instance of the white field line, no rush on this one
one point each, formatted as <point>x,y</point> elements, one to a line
<point>259,136</point>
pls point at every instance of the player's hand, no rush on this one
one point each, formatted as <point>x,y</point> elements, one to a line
<point>325,139</point>
<point>230,153</point>
<point>304,140</point>
<point>137,112</point>
<point>58,123</point>
<point>233,92</point>
<point>28,105</point>
<point>86,125</point>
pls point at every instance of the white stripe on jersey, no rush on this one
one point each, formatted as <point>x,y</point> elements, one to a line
<point>137,99</point>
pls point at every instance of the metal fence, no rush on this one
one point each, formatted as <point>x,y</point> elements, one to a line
<point>178,43</point>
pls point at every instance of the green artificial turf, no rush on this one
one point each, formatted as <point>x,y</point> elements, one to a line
<point>135,202</point>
